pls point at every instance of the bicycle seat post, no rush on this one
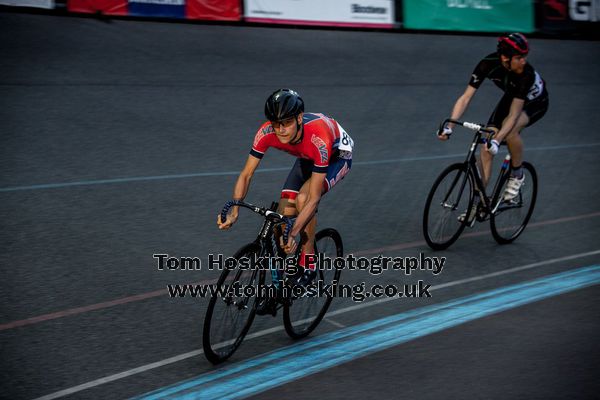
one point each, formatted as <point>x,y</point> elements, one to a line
<point>506,162</point>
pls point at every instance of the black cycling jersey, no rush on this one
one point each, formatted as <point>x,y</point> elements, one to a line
<point>527,85</point>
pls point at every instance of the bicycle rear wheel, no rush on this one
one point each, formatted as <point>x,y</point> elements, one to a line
<point>229,317</point>
<point>509,218</point>
<point>302,315</point>
<point>450,196</point>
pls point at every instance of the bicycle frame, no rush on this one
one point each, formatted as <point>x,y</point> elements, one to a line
<point>266,238</point>
<point>447,203</point>
<point>266,241</point>
<point>473,169</point>
<point>231,324</point>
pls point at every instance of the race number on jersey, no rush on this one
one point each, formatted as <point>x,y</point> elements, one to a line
<point>346,142</point>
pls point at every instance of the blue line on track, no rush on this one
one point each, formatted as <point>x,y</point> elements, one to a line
<point>265,372</point>
<point>262,170</point>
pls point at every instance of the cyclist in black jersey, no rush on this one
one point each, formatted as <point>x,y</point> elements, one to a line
<point>525,101</point>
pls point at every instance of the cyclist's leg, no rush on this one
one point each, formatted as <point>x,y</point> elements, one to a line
<point>308,233</point>
<point>495,123</point>
<point>515,142</point>
<point>532,112</point>
<point>515,148</point>
<point>485,163</point>
<point>338,169</point>
<point>298,175</point>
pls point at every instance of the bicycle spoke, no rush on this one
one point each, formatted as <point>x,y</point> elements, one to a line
<point>304,314</point>
<point>449,197</point>
<point>230,314</point>
<point>509,218</point>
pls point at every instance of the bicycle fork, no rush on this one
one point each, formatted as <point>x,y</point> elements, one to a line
<point>470,165</point>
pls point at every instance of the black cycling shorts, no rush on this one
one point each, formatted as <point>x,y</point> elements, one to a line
<point>302,171</point>
<point>535,110</point>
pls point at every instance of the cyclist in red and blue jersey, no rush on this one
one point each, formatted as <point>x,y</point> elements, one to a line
<point>324,156</point>
<point>525,101</point>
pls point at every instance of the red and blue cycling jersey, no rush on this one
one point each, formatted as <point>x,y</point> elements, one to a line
<point>319,143</point>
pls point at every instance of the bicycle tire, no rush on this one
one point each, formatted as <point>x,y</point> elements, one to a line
<point>220,343</point>
<point>302,315</point>
<point>510,219</point>
<point>443,230</point>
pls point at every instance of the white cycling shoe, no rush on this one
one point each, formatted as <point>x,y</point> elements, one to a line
<point>513,187</point>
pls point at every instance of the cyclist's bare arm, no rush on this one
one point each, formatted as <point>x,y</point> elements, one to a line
<point>240,190</point>
<point>460,107</point>
<point>516,107</point>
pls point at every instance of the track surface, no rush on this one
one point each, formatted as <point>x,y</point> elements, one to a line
<point>122,139</point>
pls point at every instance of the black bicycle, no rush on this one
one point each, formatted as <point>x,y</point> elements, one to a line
<point>448,209</point>
<point>259,264</point>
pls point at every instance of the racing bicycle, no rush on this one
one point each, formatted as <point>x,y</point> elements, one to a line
<point>231,312</point>
<point>448,208</point>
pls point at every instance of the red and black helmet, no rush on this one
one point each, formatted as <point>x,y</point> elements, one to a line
<point>513,44</point>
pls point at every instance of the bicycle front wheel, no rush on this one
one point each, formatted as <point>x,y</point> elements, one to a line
<point>449,197</point>
<point>230,314</point>
<point>302,315</point>
<point>509,218</point>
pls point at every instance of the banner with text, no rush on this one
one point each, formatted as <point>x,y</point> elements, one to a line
<point>470,15</point>
<point>560,16</point>
<point>219,10</point>
<point>354,13</point>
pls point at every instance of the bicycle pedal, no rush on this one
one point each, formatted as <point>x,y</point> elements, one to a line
<point>482,216</point>
<point>266,307</point>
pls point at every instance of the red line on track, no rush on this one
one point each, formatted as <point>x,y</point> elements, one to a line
<point>410,245</point>
<point>161,292</point>
<point>91,307</point>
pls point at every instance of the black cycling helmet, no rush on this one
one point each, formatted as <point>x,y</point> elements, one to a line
<point>283,104</point>
<point>513,44</point>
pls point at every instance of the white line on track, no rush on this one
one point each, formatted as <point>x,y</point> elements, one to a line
<point>184,356</point>
<point>334,323</point>
<point>96,182</point>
